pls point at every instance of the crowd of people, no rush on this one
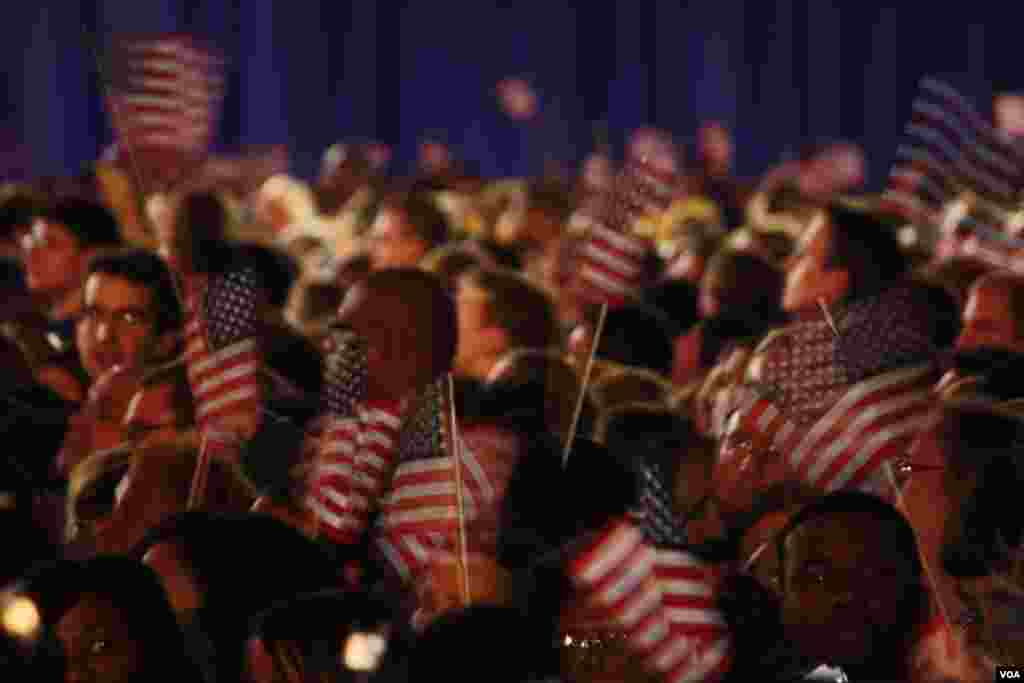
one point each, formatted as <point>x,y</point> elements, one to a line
<point>644,422</point>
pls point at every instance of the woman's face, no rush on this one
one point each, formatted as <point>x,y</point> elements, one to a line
<point>98,644</point>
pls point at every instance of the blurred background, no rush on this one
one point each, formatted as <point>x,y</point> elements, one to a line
<point>780,73</point>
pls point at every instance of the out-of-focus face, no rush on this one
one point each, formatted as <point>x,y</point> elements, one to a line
<point>98,645</point>
<point>988,321</point>
<point>54,258</point>
<point>393,244</point>
<point>478,338</point>
<point>843,588</point>
<point>117,326</point>
<point>808,280</point>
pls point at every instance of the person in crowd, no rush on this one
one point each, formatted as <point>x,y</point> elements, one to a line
<point>497,311</point>
<point>201,559</point>
<point>405,229</point>
<point>112,621</point>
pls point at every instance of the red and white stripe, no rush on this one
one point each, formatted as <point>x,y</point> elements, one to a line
<point>355,457</point>
<point>664,601</point>
<point>951,147</point>
<point>872,423</point>
<point>613,258</point>
<point>224,382</point>
<point>165,92</point>
<point>419,516</point>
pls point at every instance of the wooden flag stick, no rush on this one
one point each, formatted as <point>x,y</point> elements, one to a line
<point>583,386</point>
<point>456,455</point>
<point>926,565</point>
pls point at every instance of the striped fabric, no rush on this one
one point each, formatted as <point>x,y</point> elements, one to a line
<point>613,258</point>
<point>164,92</point>
<point>873,422</point>
<point>951,148</point>
<point>355,457</point>
<point>664,601</point>
<point>222,353</point>
<point>419,516</point>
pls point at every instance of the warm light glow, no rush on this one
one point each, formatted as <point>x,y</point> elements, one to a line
<point>363,651</point>
<point>20,617</point>
<point>908,236</point>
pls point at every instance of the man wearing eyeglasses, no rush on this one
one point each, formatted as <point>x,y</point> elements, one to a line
<point>129,324</point>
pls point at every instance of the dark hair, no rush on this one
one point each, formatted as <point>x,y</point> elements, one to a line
<point>426,307</point>
<point>92,224</point>
<point>522,311</point>
<point>133,589</point>
<point>278,270</point>
<point>424,217</point>
<point>17,210</point>
<point>746,281</point>
<point>861,245</point>
<point>638,336</point>
<point>243,564</point>
<point>984,444</point>
<point>203,218</point>
<point>486,631</point>
<point>900,539</point>
<point>148,270</point>
<point>549,197</point>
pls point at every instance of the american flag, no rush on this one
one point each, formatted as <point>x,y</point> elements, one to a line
<point>355,457</point>
<point>872,423</point>
<point>223,361</point>
<point>951,148</point>
<point>420,513</point>
<point>664,601</point>
<point>164,92</point>
<point>221,347</point>
<point>613,257</point>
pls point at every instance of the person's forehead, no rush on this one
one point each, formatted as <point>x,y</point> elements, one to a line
<point>116,291</point>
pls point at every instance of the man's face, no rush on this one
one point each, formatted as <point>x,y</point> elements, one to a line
<point>98,645</point>
<point>118,326</point>
<point>393,244</point>
<point>988,321</point>
<point>808,280</point>
<point>53,258</point>
<point>843,588</point>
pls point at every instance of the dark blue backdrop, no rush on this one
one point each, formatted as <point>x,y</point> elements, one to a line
<point>306,72</point>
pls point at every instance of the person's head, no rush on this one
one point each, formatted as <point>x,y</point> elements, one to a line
<point>556,385</point>
<point>498,311</point>
<point>843,255</point>
<point>194,228</point>
<point>112,620</point>
<point>329,636</point>
<point>406,228</point>
<point>736,282</point>
<point>18,206</point>
<point>715,148</point>
<point>408,323</point>
<point>635,335</point>
<point>486,631</point>
<point>201,558</point>
<point>131,316</point>
<point>994,314</point>
<point>853,591</point>
<point>543,218</point>
<point>758,551</point>
<point>64,236</point>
